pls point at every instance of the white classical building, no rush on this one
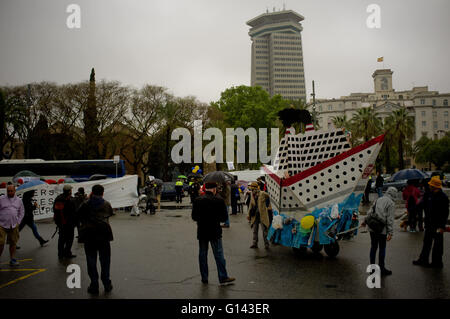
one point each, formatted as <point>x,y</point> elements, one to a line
<point>430,109</point>
<point>277,57</point>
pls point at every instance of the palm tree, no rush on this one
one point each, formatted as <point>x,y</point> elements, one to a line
<point>402,125</point>
<point>365,124</point>
<point>388,129</point>
<point>341,122</point>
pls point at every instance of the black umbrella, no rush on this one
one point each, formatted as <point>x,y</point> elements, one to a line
<point>218,177</point>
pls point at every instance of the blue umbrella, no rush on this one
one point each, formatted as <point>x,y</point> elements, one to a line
<point>408,174</point>
<point>30,184</point>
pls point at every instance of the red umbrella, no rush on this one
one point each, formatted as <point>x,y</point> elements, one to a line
<point>3,185</point>
<point>20,181</point>
<point>50,181</point>
<point>61,180</point>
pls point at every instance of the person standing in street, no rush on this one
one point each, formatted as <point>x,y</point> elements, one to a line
<point>384,210</point>
<point>80,197</point>
<point>158,195</point>
<point>258,214</point>
<point>28,219</point>
<point>194,190</point>
<point>411,194</point>
<point>436,215</point>
<point>12,212</point>
<point>225,193</point>
<point>150,192</point>
<point>366,196</point>
<point>209,211</point>
<point>234,193</point>
<point>379,184</point>
<point>96,234</point>
<point>64,209</point>
<point>179,190</point>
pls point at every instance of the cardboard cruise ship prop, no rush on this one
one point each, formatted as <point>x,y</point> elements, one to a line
<point>316,184</point>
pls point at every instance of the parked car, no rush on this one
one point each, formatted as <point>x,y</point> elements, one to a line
<point>168,191</point>
<point>446,180</point>
<point>399,185</point>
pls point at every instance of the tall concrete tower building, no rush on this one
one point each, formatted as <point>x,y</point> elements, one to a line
<point>277,56</point>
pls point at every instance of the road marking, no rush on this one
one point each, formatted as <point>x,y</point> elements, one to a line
<point>7,263</point>
<point>35,272</point>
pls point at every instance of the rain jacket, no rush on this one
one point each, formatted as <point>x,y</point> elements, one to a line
<point>385,210</point>
<point>411,194</point>
<point>209,211</point>
<point>436,210</point>
<point>93,216</point>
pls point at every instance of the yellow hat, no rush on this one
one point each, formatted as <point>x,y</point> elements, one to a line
<point>435,182</point>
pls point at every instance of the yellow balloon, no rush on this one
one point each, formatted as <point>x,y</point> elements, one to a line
<point>307,222</point>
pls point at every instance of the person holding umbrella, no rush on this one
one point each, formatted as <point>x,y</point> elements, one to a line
<point>436,216</point>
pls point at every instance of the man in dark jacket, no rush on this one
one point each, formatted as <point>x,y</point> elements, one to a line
<point>436,215</point>
<point>234,197</point>
<point>379,184</point>
<point>209,211</point>
<point>96,234</point>
<point>64,209</point>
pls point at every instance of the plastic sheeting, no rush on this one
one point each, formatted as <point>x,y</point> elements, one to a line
<point>326,228</point>
<point>120,192</point>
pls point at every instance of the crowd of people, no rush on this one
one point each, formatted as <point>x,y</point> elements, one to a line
<point>211,203</point>
<point>89,214</point>
<point>427,208</point>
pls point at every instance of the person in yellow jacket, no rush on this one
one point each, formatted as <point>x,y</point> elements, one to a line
<point>258,214</point>
<point>179,190</point>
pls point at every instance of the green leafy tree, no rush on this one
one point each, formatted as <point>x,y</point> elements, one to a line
<point>402,128</point>
<point>365,124</point>
<point>249,107</point>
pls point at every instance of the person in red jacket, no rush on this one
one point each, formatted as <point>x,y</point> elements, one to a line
<point>411,194</point>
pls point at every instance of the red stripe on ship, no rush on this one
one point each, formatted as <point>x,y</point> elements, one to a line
<point>302,175</point>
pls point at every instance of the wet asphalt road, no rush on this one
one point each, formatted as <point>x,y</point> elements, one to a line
<point>155,256</point>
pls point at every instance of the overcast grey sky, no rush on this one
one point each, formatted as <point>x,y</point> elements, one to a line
<point>202,47</point>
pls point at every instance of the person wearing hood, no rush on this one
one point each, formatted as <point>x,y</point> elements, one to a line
<point>384,210</point>
<point>96,234</point>
<point>436,215</point>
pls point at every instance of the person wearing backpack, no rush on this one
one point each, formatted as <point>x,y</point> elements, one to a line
<point>64,209</point>
<point>96,234</point>
<point>380,221</point>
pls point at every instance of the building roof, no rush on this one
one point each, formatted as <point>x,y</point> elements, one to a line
<point>274,16</point>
